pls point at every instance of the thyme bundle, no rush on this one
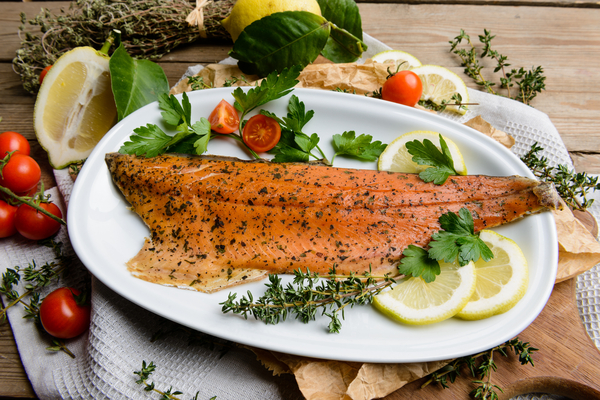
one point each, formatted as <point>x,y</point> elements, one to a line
<point>149,29</point>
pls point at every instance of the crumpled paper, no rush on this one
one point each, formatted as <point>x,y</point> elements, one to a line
<point>335,380</point>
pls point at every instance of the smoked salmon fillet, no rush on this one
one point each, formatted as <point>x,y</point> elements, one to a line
<point>218,222</point>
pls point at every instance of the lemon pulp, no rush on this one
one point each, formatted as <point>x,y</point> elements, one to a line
<point>440,84</point>
<point>75,106</point>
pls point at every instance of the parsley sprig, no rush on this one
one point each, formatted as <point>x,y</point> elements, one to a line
<point>456,240</point>
<point>191,137</point>
<point>427,153</point>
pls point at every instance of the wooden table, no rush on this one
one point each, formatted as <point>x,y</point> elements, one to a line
<point>563,36</point>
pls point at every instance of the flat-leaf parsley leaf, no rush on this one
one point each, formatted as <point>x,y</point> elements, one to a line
<point>427,153</point>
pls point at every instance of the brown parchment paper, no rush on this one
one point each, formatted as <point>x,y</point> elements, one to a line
<point>337,380</point>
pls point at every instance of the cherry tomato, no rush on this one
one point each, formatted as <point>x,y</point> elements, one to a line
<point>62,316</point>
<point>35,225</point>
<point>7,219</point>
<point>11,141</point>
<point>21,173</point>
<point>261,133</point>
<point>224,118</point>
<point>44,72</point>
<point>404,87</point>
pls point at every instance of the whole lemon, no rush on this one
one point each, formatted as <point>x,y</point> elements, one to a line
<point>245,12</point>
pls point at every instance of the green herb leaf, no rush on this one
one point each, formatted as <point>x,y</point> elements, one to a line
<point>135,83</point>
<point>273,87</point>
<point>458,239</point>
<point>345,40</point>
<point>174,113</point>
<point>280,41</point>
<point>426,153</point>
<point>416,262</point>
<point>148,140</point>
<point>361,147</point>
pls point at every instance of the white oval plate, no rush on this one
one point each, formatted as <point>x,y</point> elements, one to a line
<point>106,234</point>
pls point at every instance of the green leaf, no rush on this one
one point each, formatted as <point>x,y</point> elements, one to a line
<point>273,87</point>
<point>416,262</point>
<point>345,40</point>
<point>148,140</point>
<point>458,239</point>
<point>280,40</point>
<point>360,147</point>
<point>427,153</point>
<point>173,112</point>
<point>135,83</point>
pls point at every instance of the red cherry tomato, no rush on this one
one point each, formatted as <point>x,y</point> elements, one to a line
<point>404,87</point>
<point>61,316</point>
<point>44,72</point>
<point>224,118</point>
<point>7,219</point>
<point>261,133</point>
<point>21,173</point>
<point>35,225</point>
<point>11,141</point>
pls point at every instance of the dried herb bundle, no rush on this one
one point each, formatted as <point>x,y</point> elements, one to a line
<point>149,29</point>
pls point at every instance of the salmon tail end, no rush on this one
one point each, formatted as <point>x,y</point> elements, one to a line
<point>548,196</point>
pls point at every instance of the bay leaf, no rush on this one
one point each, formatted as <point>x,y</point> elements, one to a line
<point>135,83</point>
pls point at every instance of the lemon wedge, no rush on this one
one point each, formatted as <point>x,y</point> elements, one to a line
<point>75,106</point>
<point>416,302</point>
<point>440,84</point>
<point>245,12</point>
<point>501,282</point>
<point>396,157</point>
<point>400,58</point>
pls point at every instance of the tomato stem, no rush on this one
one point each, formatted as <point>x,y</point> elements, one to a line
<point>25,200</point>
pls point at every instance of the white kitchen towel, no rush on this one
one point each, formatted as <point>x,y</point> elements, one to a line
<point>121,333</point>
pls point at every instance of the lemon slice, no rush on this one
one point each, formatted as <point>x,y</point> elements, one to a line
<point>75,106</point>
<point>441,84</point>
<point>501,282</point>
<point>399,58</point>
<point>416,302</point>
<point>245,12</point>
<point>396,157</point>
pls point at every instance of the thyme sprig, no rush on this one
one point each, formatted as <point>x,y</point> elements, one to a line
<point>331,293</point>
<point>36,278</point>
<point>572,186</point>
<point>530,83</point>
<point>482,373</point>
<point>144,374</point>
<point>150,29</point>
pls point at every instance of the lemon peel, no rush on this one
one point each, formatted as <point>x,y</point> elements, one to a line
<point>245,12</point>
<point>501,282</point>
<point>416,302</point>
<point>440,84</point>
<point>75,106</point>
<point>401,59</point>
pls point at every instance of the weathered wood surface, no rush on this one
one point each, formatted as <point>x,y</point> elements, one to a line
<point>561,36</point>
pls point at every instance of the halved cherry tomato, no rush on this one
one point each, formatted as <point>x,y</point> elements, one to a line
<point>404,87</point>
<point>224,118</point>
<point>13,141</point>
<point>44,72</point>
<point>34,225</point>
<point>61,314</point>
<point>21,173</point>
<point>7,219</point>
<point>261,133</point>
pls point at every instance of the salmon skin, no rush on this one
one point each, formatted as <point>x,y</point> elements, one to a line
<point>218,222</point>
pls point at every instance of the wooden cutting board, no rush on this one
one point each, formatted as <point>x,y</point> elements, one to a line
<point>567,363</point>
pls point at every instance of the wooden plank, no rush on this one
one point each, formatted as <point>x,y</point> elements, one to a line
<point>13,380</point>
